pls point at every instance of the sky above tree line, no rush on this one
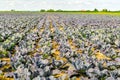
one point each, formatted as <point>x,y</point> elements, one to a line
<point>34,5</point>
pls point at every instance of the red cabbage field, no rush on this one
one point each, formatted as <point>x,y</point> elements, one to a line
<point>59,47</point>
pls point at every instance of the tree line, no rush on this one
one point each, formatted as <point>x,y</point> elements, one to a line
<point>60,10</point>
<point>95,10</point>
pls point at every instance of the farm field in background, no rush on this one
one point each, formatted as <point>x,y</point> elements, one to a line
<point>114,13</point>
<point>59,45</point>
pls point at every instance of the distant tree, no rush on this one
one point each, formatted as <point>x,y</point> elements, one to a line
<point>50,10</point>
<point>88,11</point>
<point>104,10</point>
<point>42,10</point>
<point>12,10</point>
<point>95,10</point>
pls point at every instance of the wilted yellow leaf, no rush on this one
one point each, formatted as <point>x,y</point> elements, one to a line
<point>42,29</point>
<point>104,64</point>
<point>71,67</point>
<point>93,49</point>
<point>57,57</point>
<point>55,45</point>
<point>5,59</point>
<point>61,28</point>
<point>52,29</point>
<point>101,56</point>
<point>79,51</point>
<point>77,78</point>
<point>41,53</point>
<point>117,50</point>
<point>60,58</point>
<point>70,42</point>
<point>59,75</point>
<point>4,78</point>
<point>64,59</point>
<point>57,52</point>
<point>37,46</point>
<point>73,47</point>
<point>34,30</point>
